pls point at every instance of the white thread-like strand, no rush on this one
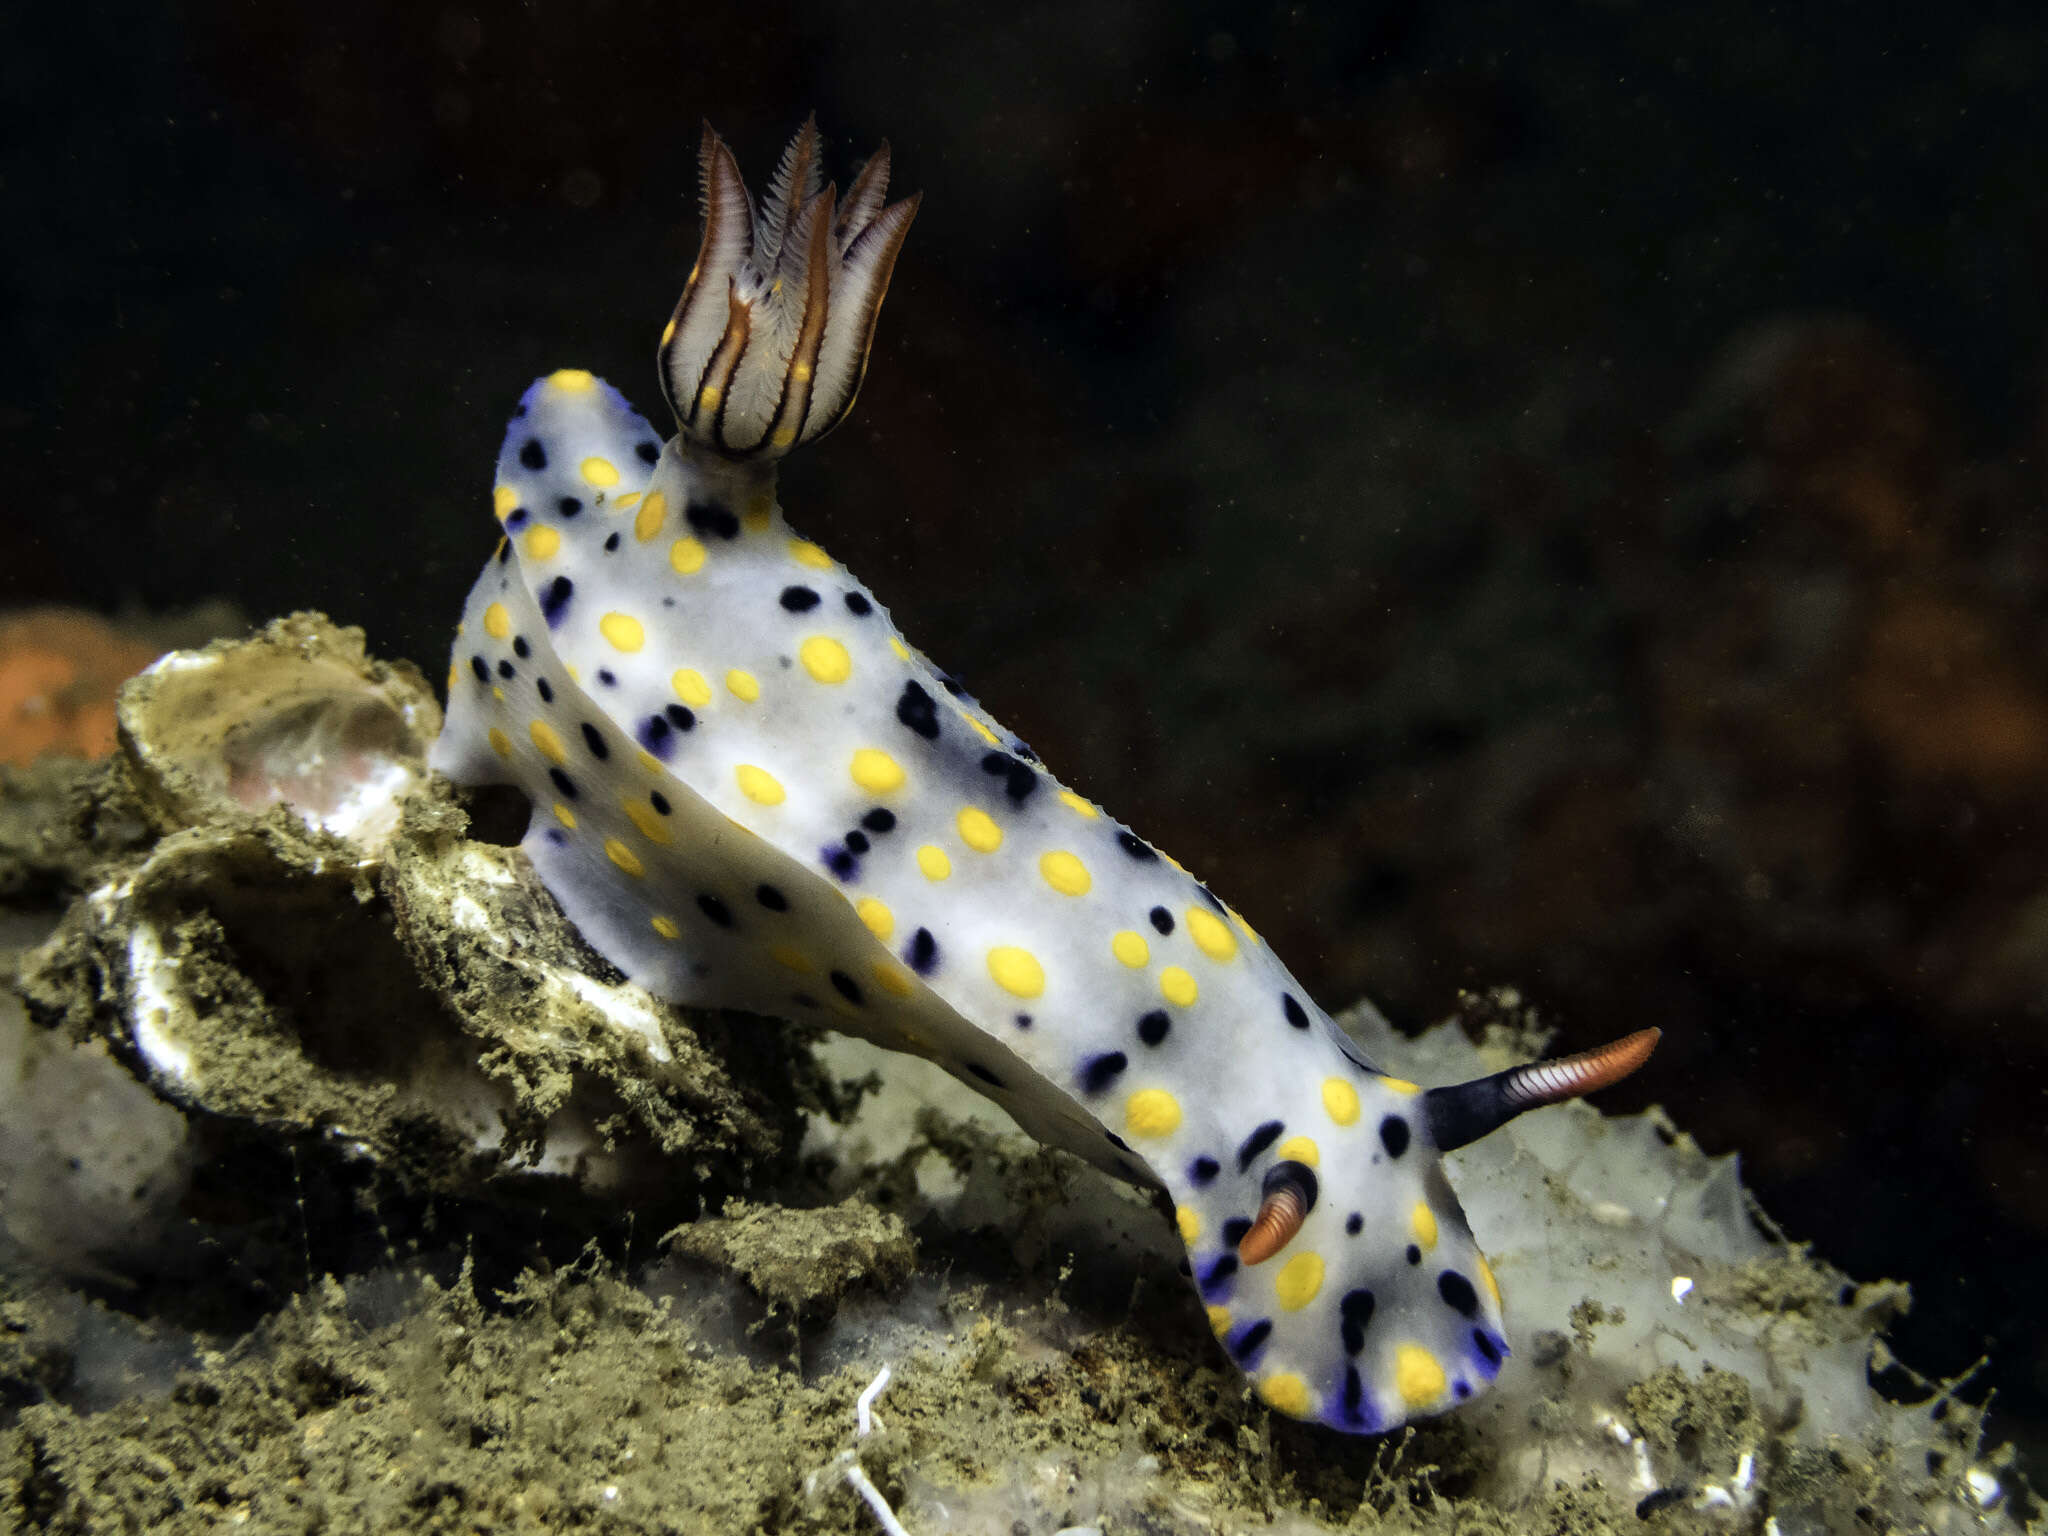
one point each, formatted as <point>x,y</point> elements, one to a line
<point>885,1517</point>
<point>864,1408</point>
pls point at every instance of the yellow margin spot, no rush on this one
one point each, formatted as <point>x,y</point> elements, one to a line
<point>978,829</point>
<point>501,743</point>
<point>547,743</point>
<point>1417,1376</point>
<point>1401,1085</point>
<point>890,979</point>
<point>759,785</point>
<point>1299,1149</point>
<point>1486,1275</point>
<point>876,914</point>
<point>541,542</point>
<point>686,556</point>
<point>1298,1281</point>
<point>624,857</point>
<point>1130,948</point>
<point>1189,1220</point>
<point>1422,1222</point>
<point>666,927</point>
<point>985,733</point>
<point>497,622</point>
<point>1219,1321</point>
<point>1286,1392</point>
<point>690,687</point>
<point>1065,873</point>
<point>651,823</point>
<point>601,473</point>
<point>1152,1112</point>
<point>1016,971</point>
<point>742,685</point>
<point>790,958</point>
<point>565,816</point>
<point>1340,1101</point>
<point>1177,986</point>
<point>932,861</point>
<point>503,500</point>
<point>1077,805</point>
<point>902,651</point>
<point>1210,934</point>
<point>574,380</point>
<point>652,514</point>
<point>876,772</point>
<point>825,659</point>
<point>804,552</point>
<point>625,632</point>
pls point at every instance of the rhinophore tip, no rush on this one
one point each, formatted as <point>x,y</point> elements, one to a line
<point>1464,1112</point>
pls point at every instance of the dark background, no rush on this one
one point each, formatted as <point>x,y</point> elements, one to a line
<point>1533,494</point>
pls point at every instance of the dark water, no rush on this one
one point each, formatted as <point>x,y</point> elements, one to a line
<point>1548,495</point>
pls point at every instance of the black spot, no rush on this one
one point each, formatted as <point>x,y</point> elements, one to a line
<point>1217,1277</point>
<point>771,898</point>
<point>858,606</point>
<point>1234,1230</point>
<point>1257,1142</point>
<point>532,455</point>
<point>1135,846</point>
<point>799,599</point>
<point>547,690</point>
<point>1117,1141</point>
<point>952,687</point>
<point>1203,1169</point>
<point>846,987</point>
<point>650,452</point>
<point>839,861</point>
<point>1023,751</point>
<point>922,953</point>
<point>879,820</point>
<point>984,1074</point>
<point>659,801</point>
<point>556,836</point>
<point>1185,1267</point>
<point>608,677</point>
<point>516,518</point>
<point>611,545</point>
<point>1296,1014</point>
<point>1018,780</point>
<point>715,909</point>
<point>1457,1293</point>
<point>504,551</point>
<point>655,736</point>
<point>507,670</point>
<point>563,782</point>
<point>1354,1224</point>
<point>594,739</point>
<point>1154,1027</point>
<point>554,599</point>
<point>1023,1021</point>
<point>520,648</point>
<point>483,672</point>
<point>1099,1072</point>
<point>1356,1312</point>
<point>1247,1343</point>
<point>916,709</point>
<point>1461,1390</point>
<point>1660,1498</point>
<point>1489,1351</point>
<point>1212,898</point>
<point>568,506</point>
<point>1414,1254</point>
<point>1354,1395</point>
<point>857,841</point>
<point>713,519</point>
<point>1394,1135</point>
<point>680,717</point>
<point>1162,919</point>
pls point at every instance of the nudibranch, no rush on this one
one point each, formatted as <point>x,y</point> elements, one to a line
<point>750,791</point>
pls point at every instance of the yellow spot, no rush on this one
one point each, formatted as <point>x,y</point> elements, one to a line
<point>690,687</point>
<point>876,914</point>
<point>804,552</point>
<point>668,332</point>
<point>1243,927</point>
<point>1065,873</point>
<point>547,743</point>
<point>1212,937</point>
<point>497,622</point>
<point>1486,1278</point>
<point>1130,948</point>
<point>1417,1376</point>
<point>541,542</point>
<point>784,436</point>
<point>790,958</point>
<point>876,771</point>
<point>902,651</point>
<point>708,397</point>
<point>686,556</point>
<point>601,473</point>
<point>1287,1392</point>
<point>825,659</point>
<point>890,979</point>
<point>801,373</point>
<point>623,630</point>
<point>624,857</point>
<point>1298,1281</point>
<point>1016,971</point>
<point>1077,805</point>
<point>666,927</point>
<point>758,784</point>
<point>625,503</point>
<point>503,500</point>
<point>575,672</point>
<point>1219,1321</point>
<point>1299,1149</point>
<point>499,552</point>
<point>1340,1101</point>
<point>760,510</point>
<point>565,816</point>
<point>498,694</point>
<point>652,824</point>
<point>742,685</point>
<point>1402,1086</point>
<point>652,514</point>
<point>500,742</point>
<point>1189,1220</point>
<point>1177,986</point>
<point>981,730</point>
<point>1152,1112</point>
<point>650,762</point>
<point>574,380</point>
<point>454,672</point>
<point>978,830</point>
<point>932,860</point>
<point>1422,1222</point>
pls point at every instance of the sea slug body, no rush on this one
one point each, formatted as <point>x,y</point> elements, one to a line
<point>751,792</point>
